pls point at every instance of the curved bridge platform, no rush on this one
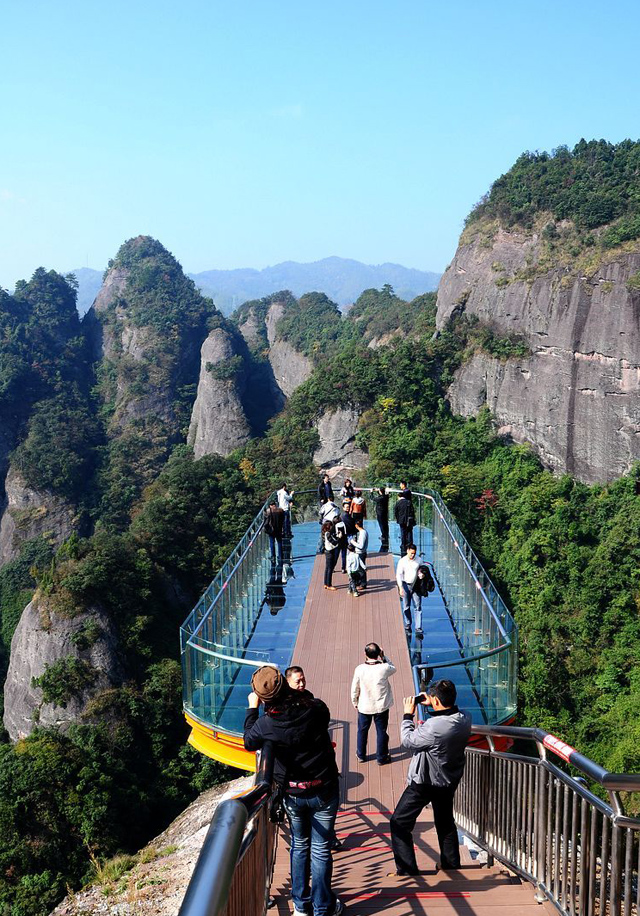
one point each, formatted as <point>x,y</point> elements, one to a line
<point>334,630</point>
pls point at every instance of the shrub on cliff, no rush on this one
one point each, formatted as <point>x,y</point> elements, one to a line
<point>592,185</point>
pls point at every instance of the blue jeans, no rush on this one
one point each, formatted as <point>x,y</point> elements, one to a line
<point>411,601</point>
<point>312,821</point>
<point>381,720</point>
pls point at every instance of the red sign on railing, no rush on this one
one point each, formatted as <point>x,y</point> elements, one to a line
<point>559,747</point>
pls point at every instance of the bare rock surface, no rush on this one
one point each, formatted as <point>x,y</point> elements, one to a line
<point>337,430</point>
<point>30,513</point>
<point>113,286</point>
<point>251,330</point>
<point>157,887</point>
<point>290,367</point>
<point>275,313</point>
<point>576,398</point>
<point>43,638</point>
<point>218,421</point>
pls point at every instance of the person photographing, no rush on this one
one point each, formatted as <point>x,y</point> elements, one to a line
<point>435,770</point>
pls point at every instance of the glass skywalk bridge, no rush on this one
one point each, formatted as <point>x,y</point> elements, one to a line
<point>251,612</point>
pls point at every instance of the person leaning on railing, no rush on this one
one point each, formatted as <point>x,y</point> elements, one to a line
<point>306,772</point>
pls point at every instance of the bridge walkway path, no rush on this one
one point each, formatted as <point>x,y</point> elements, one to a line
<point>334,630</point>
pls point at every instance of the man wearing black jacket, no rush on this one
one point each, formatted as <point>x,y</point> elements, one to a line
<point>381,499</point>
<point>325,490</point>
<point>305,769</point>
<point>406,518</point>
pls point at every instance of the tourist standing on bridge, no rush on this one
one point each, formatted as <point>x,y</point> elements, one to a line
<point>406,575</point>
<point>350,529</point>
<point>332,544</point>
<point>361,543</point>
<point>305,770</point>
<point>285,501</point>
<point>372,696</point>
<point>358,506</point>
<point>381,499</point>
<point>328,512</point>
<point>347,491</point>
<point>274,528</point>
<point>325,490</point>
<point>406,518</point>
<point>434,773</point>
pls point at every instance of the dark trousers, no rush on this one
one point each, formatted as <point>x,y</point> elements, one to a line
<point>273,540</point>
<point>383,524</point>
<point>414,798</point>
<point>381,720</point>
<point>406,538</point>
<point>330,560</point>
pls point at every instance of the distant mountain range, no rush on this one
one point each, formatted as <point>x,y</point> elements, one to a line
<point>342,279</point>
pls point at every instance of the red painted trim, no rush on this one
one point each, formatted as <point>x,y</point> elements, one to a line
<point>560,748</point>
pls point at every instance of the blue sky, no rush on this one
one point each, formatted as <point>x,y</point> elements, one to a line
<point>250,133</point>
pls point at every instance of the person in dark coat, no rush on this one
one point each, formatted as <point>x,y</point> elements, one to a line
<point>305,769</point>
<point>405,516</point>
<point>381,500</point>
<point>325,490</point>
<point>274,528</point>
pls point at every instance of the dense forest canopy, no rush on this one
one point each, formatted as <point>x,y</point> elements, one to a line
<point>594,185</point>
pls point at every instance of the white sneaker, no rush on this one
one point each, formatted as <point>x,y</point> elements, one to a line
<point>299,912</point>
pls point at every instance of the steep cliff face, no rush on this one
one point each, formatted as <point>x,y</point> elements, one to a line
<point>290,367</point>
<point>29,514</point>
<point>218,421</point>
<point>338,450</point>
<point>78,657</point>
<point>576,398</point>
<point>140,367</point>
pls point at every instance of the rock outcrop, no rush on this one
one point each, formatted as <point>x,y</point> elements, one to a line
<point>290,367</point>
<point>338,450</point>
<point>29,513</point>
<point>218,421</point>
<point>45,638</point>
<point>157,882</point>
<point>576,398</point>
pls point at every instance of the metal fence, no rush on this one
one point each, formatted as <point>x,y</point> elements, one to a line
<point>233,872</point>
<point>581,852</point>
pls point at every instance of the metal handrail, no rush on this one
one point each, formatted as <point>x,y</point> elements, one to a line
<point>548,826</point>
<point>229,837</point>
<point>612,782</point>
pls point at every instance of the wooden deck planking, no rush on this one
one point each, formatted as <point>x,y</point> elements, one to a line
<point>333,632</point>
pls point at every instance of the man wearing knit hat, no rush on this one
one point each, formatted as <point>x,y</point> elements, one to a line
<point>306,771</point>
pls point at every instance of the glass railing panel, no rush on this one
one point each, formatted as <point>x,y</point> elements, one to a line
<point>250,614</point>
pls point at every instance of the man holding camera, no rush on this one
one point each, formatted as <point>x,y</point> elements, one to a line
<point>434,773</point>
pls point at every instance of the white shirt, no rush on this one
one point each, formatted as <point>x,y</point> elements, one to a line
<point>406,570</point>
<point>328,512</point>
<point>371,689</point>
<point>284,499</point>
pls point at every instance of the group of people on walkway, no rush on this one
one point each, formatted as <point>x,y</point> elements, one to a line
<point>307,776</point>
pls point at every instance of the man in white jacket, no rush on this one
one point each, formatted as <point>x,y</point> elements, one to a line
<point>372,696</point>
<point>406,574</point>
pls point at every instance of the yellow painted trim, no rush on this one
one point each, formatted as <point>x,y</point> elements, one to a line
<point>227,749</point>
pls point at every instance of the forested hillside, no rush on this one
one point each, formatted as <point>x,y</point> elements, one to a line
<point>99,415</point>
